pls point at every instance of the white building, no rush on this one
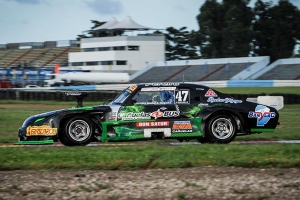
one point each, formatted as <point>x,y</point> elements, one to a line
<point>121,53</point>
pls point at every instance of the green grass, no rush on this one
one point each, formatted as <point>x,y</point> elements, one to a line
<point>150,157</point>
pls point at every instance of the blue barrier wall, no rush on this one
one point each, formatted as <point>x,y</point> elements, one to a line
<point>250,83</point>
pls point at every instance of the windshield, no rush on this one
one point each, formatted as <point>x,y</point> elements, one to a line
<point>124,94</point>
<point>121,98</point>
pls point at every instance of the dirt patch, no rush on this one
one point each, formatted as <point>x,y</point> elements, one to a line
<point>189,183</point>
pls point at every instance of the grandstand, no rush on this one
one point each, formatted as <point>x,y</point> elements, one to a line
<point>282,69</point>
<point>194,70</point>
<point>37,55</point>
<point>207,72</point>
<point>283,72</point>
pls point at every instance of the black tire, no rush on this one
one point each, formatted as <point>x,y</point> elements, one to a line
<point>221,129</point>
<point>62,138</point>
<point>203,140</point>
<point>78,131</point>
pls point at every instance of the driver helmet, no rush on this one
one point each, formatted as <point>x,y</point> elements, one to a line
<point>166,96</point>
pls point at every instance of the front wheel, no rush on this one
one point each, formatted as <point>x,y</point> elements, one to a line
<point>221,129</point>
<point>78,131</point>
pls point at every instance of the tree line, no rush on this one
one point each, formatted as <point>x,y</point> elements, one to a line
<point>232,28</point>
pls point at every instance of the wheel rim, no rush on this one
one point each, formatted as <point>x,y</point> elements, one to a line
<point>79,130</point>
<point>222,128</point>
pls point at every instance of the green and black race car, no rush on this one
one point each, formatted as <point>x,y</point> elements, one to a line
<point>148,111</point>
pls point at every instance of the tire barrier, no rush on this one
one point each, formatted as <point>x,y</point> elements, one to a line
<point>53,96</point>
<point>97,96</point>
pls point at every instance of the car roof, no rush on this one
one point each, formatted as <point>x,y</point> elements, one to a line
<point>170,84</point>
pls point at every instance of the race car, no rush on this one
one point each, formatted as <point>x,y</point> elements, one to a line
<point>148,111</point>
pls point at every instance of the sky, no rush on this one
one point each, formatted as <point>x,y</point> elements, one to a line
<point>56,20</point>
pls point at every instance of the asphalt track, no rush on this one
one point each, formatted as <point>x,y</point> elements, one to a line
<point>117,144</point>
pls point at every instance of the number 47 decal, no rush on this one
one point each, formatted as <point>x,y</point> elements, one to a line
<point>182,96</point>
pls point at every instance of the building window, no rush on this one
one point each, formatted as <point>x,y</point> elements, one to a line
<point>133,48</point>
<point>89,49</point>
<point>92,63</point>
<point>77,63</point>
<point>119,48</point>
<point>108,62</point>
<point>103,48</point>
<point>121,62</point>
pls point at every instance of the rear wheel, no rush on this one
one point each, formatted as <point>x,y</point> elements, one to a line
<point>221,129</point>
<point>78,131</point>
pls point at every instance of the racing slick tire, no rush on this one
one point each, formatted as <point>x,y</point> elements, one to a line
<point>78,131</point>
<point>221,129</point>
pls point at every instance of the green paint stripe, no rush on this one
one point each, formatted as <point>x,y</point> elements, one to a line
<point>35,142</point>
<point>194,134</point>
<point>40,119</point>
<point>82,108</point>
<point>262,130</point>
<point>139,136</point>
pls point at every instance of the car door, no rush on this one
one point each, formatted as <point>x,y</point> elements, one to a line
<point>150,112</point>
<point>190,103</point>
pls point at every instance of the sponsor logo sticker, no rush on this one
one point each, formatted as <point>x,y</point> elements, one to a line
<point>210,93</point>
<point>159,113</point>
<point>158,88</point>
<point>182,126</point>
<point>226,100</point>
<point>263,115</point>
<point>132,88</point>
<point>152,124</point>
<point>73,93</point>
<point>162,84</point>
<point>133,116</point>
<point>44,130</point>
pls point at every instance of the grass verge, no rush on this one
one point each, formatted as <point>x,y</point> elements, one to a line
<point>150,157</point>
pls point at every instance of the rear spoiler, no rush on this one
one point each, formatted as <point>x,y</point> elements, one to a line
<point>276,102</point>
<point>79,97</point>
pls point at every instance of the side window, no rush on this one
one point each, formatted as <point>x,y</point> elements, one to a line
<point>193,96</point>
<point>196,97</point>
<point>153,96</point>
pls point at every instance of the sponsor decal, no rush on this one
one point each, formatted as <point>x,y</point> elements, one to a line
<point>73,93</point>
<point>226,100</point>
<point>113,116</point>
<point>159,113</point>
<point>202,104</point>
<point>133,116</point>
<point>44,130</point>
<point>158,88</point>
<point>210,93</point>
<point>162,84</point>
<point>182,126</point>
<point>132,88</point>
<point>182,96</point>
<point>152,124</point>
<point>263,115</point>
